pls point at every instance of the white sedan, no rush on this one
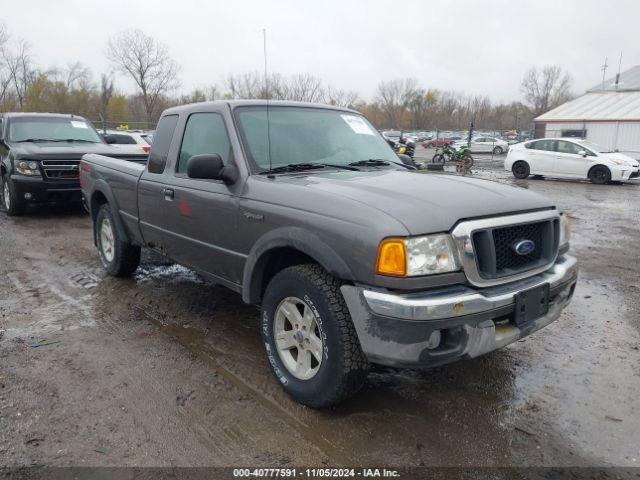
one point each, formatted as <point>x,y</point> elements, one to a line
<point>570,158</point>
<point>129,141</point>
<point>484,144</point>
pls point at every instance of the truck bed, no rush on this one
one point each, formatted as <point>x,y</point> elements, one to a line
<point>128,167</point>
<point>122,177</point>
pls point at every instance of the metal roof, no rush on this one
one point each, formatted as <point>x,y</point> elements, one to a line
<point>597,106</point>
<point>629,81</point>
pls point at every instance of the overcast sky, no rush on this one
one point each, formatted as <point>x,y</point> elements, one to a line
<point>476,47</point>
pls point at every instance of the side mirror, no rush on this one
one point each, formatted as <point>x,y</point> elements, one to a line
<point>583,153</point>
<point>210,167</point>
<point>110,139</point>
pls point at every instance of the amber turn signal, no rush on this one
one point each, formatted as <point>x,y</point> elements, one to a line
<point>392,258</point>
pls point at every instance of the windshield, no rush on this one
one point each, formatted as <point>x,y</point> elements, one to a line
<point>309,135</point>
<point>51,128</point>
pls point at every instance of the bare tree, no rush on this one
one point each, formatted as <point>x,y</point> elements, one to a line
<point>248,85</point>
<point>304,88</point>
<point>149,65</point>
<point>546,88</point>
<point>340,98</point>
<point>77,76</point>
<point>394,97</point>
<point>20,68</point>
<point>5,78</point>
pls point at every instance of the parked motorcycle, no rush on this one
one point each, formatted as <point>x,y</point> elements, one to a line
<point>449,154</point>
<point>403,147</point>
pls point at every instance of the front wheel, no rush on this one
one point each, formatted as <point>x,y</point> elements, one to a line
<point>438,158</point>
<point>467,160</point>
<point>10,203</point>
<point>600,175</point>
<point>498,151</point>
<point>119,257</point>
<point>520,170</point>
<point>310,340</point>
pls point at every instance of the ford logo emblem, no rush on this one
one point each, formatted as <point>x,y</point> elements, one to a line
<point>524,247</point>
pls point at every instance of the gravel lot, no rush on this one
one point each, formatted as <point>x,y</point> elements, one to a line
<point>168,370</point>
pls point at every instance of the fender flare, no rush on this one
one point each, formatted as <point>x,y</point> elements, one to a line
<point>288,237</point>
<point>100,185</point>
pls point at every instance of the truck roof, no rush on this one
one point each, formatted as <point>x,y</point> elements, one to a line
<point>253,103</point>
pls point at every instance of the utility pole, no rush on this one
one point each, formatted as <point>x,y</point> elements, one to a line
<point>604,71</point>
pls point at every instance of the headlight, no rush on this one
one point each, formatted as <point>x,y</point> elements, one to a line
<point>416,256</point>
<point>27,167</point>
<point>565,231</point>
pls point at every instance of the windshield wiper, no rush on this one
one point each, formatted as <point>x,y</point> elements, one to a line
<point>374,162</point>
<point>68,140</point>
<point>378,162</point>
<point>299,167</point>
<point>34,140</point>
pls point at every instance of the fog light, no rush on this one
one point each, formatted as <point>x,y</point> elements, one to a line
<point>434,340</point>
<point>27,196</point>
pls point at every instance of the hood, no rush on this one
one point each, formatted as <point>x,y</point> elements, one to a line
<point>59,150</point>
<point>423,203</point>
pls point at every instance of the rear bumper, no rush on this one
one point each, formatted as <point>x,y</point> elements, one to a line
<point>39,190</point>
<point>439,326</point>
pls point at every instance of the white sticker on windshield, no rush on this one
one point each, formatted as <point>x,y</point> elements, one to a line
<point>357,124</point>
<point>77,124</point>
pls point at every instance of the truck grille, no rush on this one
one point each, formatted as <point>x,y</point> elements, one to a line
<point>61,169</point>
<point>496,254</point>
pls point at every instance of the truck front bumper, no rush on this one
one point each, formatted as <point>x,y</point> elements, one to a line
<point>439,326</point>
<point>40,190</point>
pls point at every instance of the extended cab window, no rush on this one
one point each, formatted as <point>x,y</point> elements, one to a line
<point>205,133</point>
<point>161,143</point>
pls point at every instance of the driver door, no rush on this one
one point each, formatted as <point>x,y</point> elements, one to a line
<point>569,161</point>
<point>202,215</point>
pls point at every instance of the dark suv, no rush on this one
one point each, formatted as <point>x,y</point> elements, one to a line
<point>40,156</point>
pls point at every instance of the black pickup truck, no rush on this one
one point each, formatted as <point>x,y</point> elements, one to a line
<point>40,156</point>
<point>354,257</point>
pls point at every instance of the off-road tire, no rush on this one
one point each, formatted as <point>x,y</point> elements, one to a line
<point>126,257</point>
<point>344,366</point>
<point>438,158</point>
<point>468,160</point>
<point>600,175</point>
<point>498,151</point>
<point>520,169</point>
<point>14,208</point>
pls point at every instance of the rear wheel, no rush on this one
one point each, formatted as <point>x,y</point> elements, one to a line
<point>520,169</point>
<point>9,202</point>
<point>468,160</point>
<point>498,151</point>
<point>311,343</point>
<point>438,158</point>
<point>600,175</point>
<point>118,256</point>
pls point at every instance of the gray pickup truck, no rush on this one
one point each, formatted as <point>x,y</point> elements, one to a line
<point>354,257</point>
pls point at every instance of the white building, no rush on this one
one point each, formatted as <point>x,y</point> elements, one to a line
<point>608,115</point>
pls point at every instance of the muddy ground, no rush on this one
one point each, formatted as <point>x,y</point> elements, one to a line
<point>165,369</point>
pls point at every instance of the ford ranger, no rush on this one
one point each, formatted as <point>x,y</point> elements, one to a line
<point>354,257</point>
<point>40,156</point>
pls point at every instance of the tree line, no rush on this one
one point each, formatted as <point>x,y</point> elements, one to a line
<point>402,103</point>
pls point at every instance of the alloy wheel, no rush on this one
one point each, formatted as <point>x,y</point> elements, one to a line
<point>298,338</point>
<point>107,240</point>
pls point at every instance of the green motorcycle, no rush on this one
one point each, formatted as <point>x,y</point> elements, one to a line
<point>449,154</point>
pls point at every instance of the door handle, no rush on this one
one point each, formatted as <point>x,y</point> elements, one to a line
<point>168,194</point>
